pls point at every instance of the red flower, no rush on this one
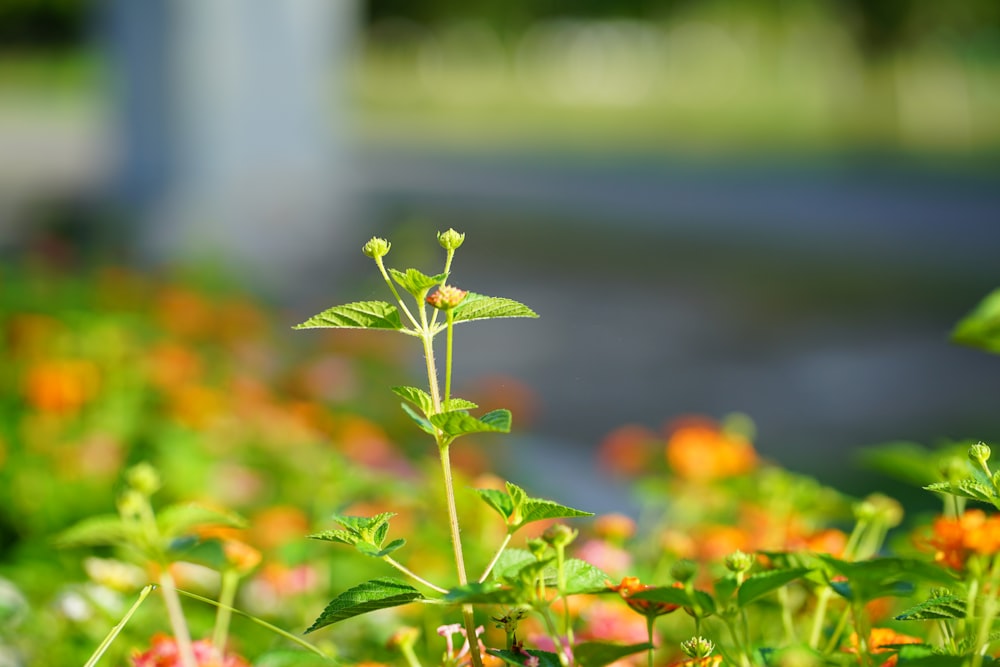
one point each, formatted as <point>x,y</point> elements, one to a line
<point>164,652</point>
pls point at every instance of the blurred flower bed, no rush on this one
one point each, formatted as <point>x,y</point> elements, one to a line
<point>107,371</point>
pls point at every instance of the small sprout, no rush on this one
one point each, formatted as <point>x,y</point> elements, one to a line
<point>739,561</point>
<point>376,248</point>
<point>559,535</point>
<point>446,297</point>
<point>683,570</point>
<point>132,504</point>
<point>537,547</point>
<point>698,647</point>
<point>143,478</point>
<point>980,453</point>
<point>886,509</point>
<point>451,240</point>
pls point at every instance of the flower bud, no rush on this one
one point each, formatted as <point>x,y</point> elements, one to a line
<point>446,297</point>
<point>537,547</point>
<point>559,535</point>
<point>450,240</point>
<point>979,453</point>
<point>683,570</point>
<point>376,248</point>
<point>143,478</point>
<point>887,509</point>
<point>697,647</point>
<point>132,503</point>
<point>739,561</point>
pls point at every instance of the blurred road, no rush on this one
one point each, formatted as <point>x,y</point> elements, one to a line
<point>814,295</point>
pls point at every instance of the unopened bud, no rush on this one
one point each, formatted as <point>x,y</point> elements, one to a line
<point>698,647</point>
<point>739,561</point>
<point>537,547</point>
<point>864,511</point>
<point>446,297</point>
<point>450,240</point>
<point>887,509</point>
<point>559,535</point>
<point>683,570</point>
<point>132,503</point>
<point>980,453</point>
<point>376,248</point>
<point>143,478</point>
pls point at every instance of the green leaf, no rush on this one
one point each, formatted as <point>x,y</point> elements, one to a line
<point>177,520</point>
<point>104,530</point>
<point>944,606</point>
<point>883,577</point>
<point>415,282</point>
<point>455,403</point>
<point>582,577</point>
<point>358,315</point>
<point>488,592</point>
<point>480,307</point>
<point>371,530</point>
<point>457,422</point>
<point>341,536</point>
<point>537,509</point>
<point>598,654</point>
<point>511,562</point>
<point>367,597</point>
<point>374,552</point>
<point>906,461</point>
<point>762,583</point>
<point>418,397</point>
<point>981,327</point>
<point>545,658</point>
<point>422,423</point>
<point>965,488</point>
<point>498,500</point>
<point>665,595</point>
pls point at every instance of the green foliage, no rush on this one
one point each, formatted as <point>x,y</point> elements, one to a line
<point>545,658</point>
<point>760,584</point>
<point>367,597</point>
<point>518,509</point>
<point>883,577</point>
<point>981,327</point>
<point>972,489</point>
<point>480,307</point>
<point>366,534</point>
<point>177,520</point>
<point>598,654</point>
<point>938,607</point>
<point>359,315</point>
<point>415,282</point>
<point>458,423</point>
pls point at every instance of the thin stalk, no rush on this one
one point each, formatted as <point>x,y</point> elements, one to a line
<point>432,379</point>
<point>115,631</point>
<point>561,584</point>
<point>176,615</point>
<point>264,624</point>
<point>416,577</point>
<point>786,616</point>
<point>561,650</point>
<point>989,614</point>
<point>864,650</point>
<point>224,614</point>
<point>496,557</point>
<point>411,657</point>
<point>450,315</point>
<point>839,630</point>
<point>649,634</point>
<point>395,292</point>
<point>744,661</point>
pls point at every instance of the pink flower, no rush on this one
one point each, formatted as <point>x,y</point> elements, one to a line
<point>164,652</point>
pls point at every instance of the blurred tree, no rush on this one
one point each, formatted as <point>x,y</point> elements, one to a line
<point>43,23</point>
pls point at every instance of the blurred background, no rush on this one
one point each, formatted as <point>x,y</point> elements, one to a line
<point>759,206</point>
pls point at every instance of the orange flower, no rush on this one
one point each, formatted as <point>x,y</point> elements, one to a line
<point>61,386</point>
<point>954,540</point>
<point>882,640</point>
<point>628,450</point>
<point>631,585</point>
<point>699,450</point>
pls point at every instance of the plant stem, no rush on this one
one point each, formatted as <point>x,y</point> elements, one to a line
<point>405,570</point>
<point>115,631</point>
<point>649,633</point>
<point>223,614</point>
<point>989,614</point>
<point>395,292</point>
<point>447,358</point>
<point>176,615</point>
<point>839,630</point>
<point>819,616</point>
<point>496,557</point>
<point>561,586</point>
<point>556,641</point>
<point>786,616</point>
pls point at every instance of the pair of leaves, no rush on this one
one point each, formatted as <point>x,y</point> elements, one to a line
<point>586,654</point>
<point>366,534</point>
<point>454,421</point>
<point>381,315</point>
<point>517,509</point>
<point>515,574</point>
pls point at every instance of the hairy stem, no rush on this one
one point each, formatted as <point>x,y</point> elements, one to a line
<point>496,557</point>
